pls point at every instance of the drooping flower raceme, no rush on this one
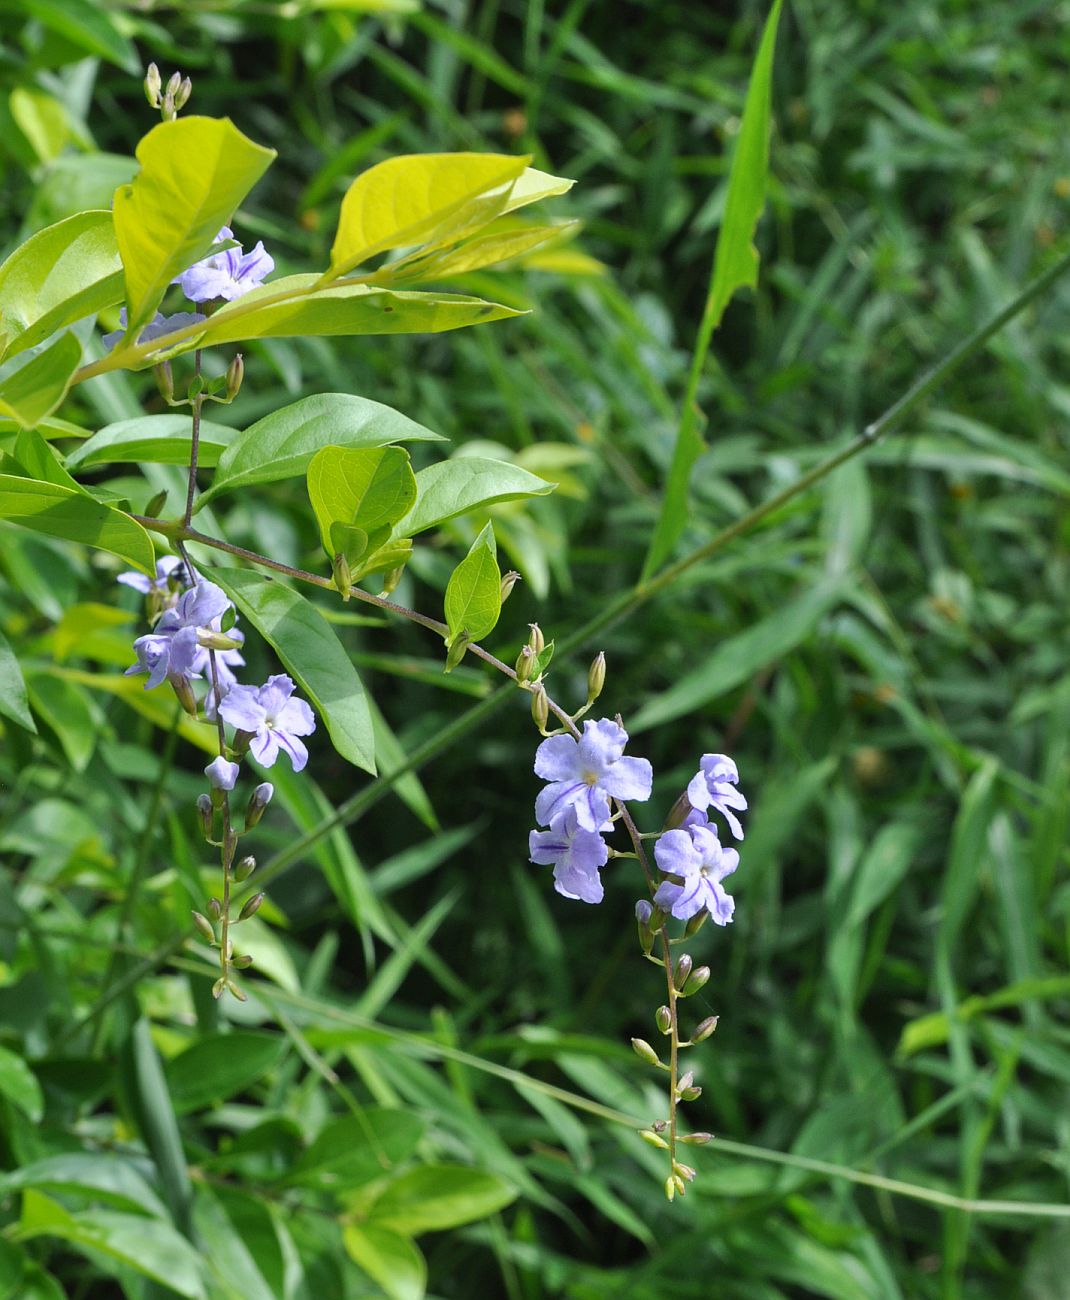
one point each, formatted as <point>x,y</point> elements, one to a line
<point>170,652</point>
<point>576,855</point>
<point>271,718</point>
<point>227,274</point>
<point>695,858</point>
<point>157,328</point>
<point>714,786</point>
<point>585,774</point>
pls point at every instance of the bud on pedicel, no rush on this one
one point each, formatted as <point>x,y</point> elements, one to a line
<point>695,1139</point>
<point>174,81</point>
<point>205,812</point>
<point>699,977</point>
<point>165,381</point>
<point>691,1094</point>
<point>218,987</point>
<point>152,83</point>
<point>215,907</point>
<point>235,372</point>
<point>645,1052</point>
<point>509,581</point>
<point>536,639</point>
<point>152,510</point>
<point>663,1019</point>
<point>677,813</point>
<point>654,1139</point>
<point>182,94</point>
<point>391,580</point>
<point>455,653</point>
<point>524,661</point>
<point>243,962</point>
<point>685,1081</point>
<point>260,799</point>
<point>205,926</point>
<point>245,868</point>
<point>660,1125</point>
<point>252,906</point>
<point>670,1183</point>
<point>705,1029</point>
<point>540,707</point>
<point>696,923</point>
<point>184,691</point>
<point>342,575</point>
<point>235,991</point>
<point>685,1171</point>
<point>682,971</point>
<point>596,677</point>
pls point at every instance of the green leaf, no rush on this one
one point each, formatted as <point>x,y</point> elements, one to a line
<point>160,439</point>
<point>308,646</point>
<point>13,701</point>
<point>735,264</point>
<point>409,200</point>
<point>38,387</point>
<point>39,461</point>
<point>88,26</point>
<point>740,657</point>
<point>474,591</point>
<point>60,275</point>
<point>484,250</point>
<point>149,1247</point>
<point>357,1149</point>
<point>393,1261</point>
<point>19,1085</point>
<point>103,1177</point>
<point>435,1197</point>
<point>282,444</point>
<point>454,487</point>
<point>220,1066</point>
<point>59,512</point>
<point>194,173</point>
<point>533,185</point>
<point>356,492</point>
<point>340,310</point>
<point>63,705</point>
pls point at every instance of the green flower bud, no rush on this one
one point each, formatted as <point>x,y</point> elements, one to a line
<point>205,926</point>
<point>342,575</point>
<point>679,1184</point>
<point>258,801</point>
<point>695,923</point>
<point>252,906</point>
<point>705,1029</point>
<point>174,81</point>
<point>236,992</point>
<point>235,371</point>
<point>243,962</point>
<point>215,907</point>
<point>699,978</point>
<point>391,580</point>
<point>691,1094</point>
<point>663,1019</point>
<point>670,1188</point>
<point>524,661</point>
<point>683,971</point>
<point>206,813</point>
<point>165,381</point>
<point>536,639</point>
<point>596,677</point>
<point>645,1052</point>
<point>695,1139</point>
<point>540,707</point>
<point>653,1139</point>
<point>218,987</point>
<point>685,1171</point>
<point>184,691</point>
<point>153,508</point>
<point>677,813</point>
<point>153,82</point>
<point>509,581</point>
<point>685,1081</point>
<point>182,94</point>
<point>245,868</point>
<point>455,653</point>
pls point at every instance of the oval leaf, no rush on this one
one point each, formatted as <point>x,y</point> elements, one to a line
<point>13,701</point>
<point>282,444</point>
<point>358,1149</point>
<point>367,488</point>
<point>75,516</point>
<point>308,646</point>
<point>435,1197</point>
<point>474,591</point>
<point>465,483</point>
<point>160,439</point>
<point>36,389</point>
<point>217,1068</point>
<point>19,1085</point>
<point>391,1260</point>
<point>194,173</point>
<point>60,275</point>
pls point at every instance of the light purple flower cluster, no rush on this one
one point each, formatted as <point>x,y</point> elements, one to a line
<point>691,856</point>
<point>226,274</point>
<point>267,720</point>
<point>584,775</point>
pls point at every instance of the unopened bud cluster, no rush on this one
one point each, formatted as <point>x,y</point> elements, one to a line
<point>169,99</point>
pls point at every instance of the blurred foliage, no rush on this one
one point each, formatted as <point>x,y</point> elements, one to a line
<point>886,658</point>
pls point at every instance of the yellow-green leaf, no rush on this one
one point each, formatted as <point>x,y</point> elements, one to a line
<point>533,185</point>
<point>35,390</point>
<point>368,488</point>
<point>60,512</point>
<point>194,173</point>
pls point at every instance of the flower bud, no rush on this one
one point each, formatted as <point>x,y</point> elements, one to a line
<point>679,1184</point>
<point>210,639</point>
<point>699,977</point>
<point>205,926</point>
<point>663,1019</point>
<point>206,813</point>
<point>167,107</point>
<point>643,912</point>
<point>536,639</point>
<point>184,691</point>
<point>173,84</point>
<point>235,371</point>
<point>243,962</point>
<point>455,653</point>
<point>691,1094</point>
<point>222,775</point>
<point>685,1081</point>
<point>695,923</point>
<point>670,1182</point>
<point>695,1139</point>
<point>245,868</point>
<point>660,1125</point>
<point>705,1029</point>
<point>218,987</point>
<point>260,799</point>
<point>230,843</point>
<point>342,575</point>
<point>152,510</point>
<point>682,971</point>
<point>654,1139</point>
<point>596,677</point>
<point>215,907</point>
<point>678,812</point>
<point>509,581</point>
<point>240,744</point>
<point>540,707</point>
<point>252,906</point>
<point>182,94</point>
<point>391,580</point>
<point>685,1171</point>
<point>645,1052</point>
<point>524,663</point>
<point>165,381</point>
<point>236,992</point>
<point>153,82</point>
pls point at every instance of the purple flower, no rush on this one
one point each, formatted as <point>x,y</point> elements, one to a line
<point>158,327</point>
<point>576,855</point>
<point>227,274</point>
<point>586,773</point>
<point>273,720</point>
<point>221,774</point>
<point>643,911</point>
<point>696,858</point>
<point>714,786</point>
<point>165,567</point>
<point>171,650</point>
